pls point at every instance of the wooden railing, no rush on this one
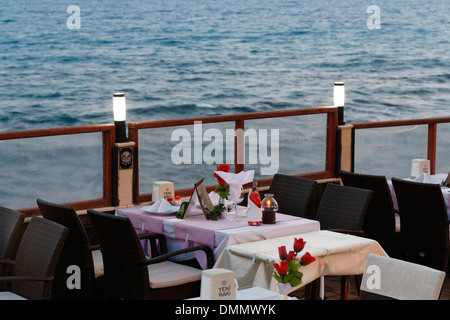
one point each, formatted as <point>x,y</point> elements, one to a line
<point>432,124</point>
<point>239,121</point>
<point>108,136</point>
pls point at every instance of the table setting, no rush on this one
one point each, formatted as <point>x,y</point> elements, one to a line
<point>196,225</point>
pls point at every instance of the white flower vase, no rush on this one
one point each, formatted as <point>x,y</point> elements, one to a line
<point>224,213</point>
<point>283,289</point>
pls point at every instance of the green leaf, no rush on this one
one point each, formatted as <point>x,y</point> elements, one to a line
<point>295,281</point>
<point>277,277</point>
<point>288,277</point>
<point>182,209</point>
<point>222,190</point>
<point>215,213</point>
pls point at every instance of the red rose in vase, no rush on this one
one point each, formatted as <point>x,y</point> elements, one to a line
<point>225,168</point>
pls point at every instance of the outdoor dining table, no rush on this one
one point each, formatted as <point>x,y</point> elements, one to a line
<point>335,254</point>
<point>196,229</point>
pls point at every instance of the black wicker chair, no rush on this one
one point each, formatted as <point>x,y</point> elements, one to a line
<point>11,231</point>
<point>35,263</point>
<point>379,222</point>
<point>130,275</point>
<point>424,234</point>
<point>295,196</point>
<point>77,251</point>
<point>398,280</point>
<point>343,209</point>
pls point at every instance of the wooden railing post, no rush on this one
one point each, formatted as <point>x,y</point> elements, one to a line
<point>431,150</point>
<point>239,146</point>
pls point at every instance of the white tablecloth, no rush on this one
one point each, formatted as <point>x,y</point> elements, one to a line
<point>335,253</point>
<point>254,293</point>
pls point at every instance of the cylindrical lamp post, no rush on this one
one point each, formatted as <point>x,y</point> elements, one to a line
<point>120,114</point>
<point>339,100</point>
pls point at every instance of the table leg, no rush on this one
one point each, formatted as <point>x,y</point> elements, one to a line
<point>312,290</point>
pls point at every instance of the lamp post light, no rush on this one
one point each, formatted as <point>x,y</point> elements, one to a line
<point>123,156</point>
<point>120,113</point>
<point>339,100</point>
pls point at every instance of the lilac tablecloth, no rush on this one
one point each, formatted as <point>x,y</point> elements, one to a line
<point>194,230</point>
<point>203,231</point>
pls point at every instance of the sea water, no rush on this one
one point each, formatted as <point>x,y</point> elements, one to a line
<point>184,58</point>
<point>61,62</point>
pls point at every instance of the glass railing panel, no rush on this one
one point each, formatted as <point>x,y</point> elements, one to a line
<point>389,151</point>
<point>63,168</point>
<point>184,154</point>
<point>443,148</point>
<point>287,145</point>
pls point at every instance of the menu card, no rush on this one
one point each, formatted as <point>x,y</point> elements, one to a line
<point>199,194</point>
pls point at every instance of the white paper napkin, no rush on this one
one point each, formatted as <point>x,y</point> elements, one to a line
<point>236,181</point>
<point>162,205</point>
<point>214,196</point>
<point>423,177</point>
<point>254,213</point>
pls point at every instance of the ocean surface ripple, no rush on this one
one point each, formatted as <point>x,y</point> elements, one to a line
<point>176,58</point>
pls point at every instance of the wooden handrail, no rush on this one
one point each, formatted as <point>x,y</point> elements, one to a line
<point>398,123</point>
<point>36,133</point>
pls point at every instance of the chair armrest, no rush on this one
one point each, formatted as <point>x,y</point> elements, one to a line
<point>208,251</point>
<point>25,278</point>
<point>9,262</point>
<point>152,237</point>
<point>93,247</point>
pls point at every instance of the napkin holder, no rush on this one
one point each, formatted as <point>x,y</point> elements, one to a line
<point>218,284</point>
<point>162,189</point>
<point>418,166</point>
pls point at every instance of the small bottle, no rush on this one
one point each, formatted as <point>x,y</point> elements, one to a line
<point>255,221</point>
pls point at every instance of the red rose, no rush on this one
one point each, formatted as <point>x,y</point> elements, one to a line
<point>222,167</point>
<point>290,256</point>
<point>282,268</point>
<point>220,180</point>
<point>282,252</point>
<point>307,259</point>
<point>299,244</point>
